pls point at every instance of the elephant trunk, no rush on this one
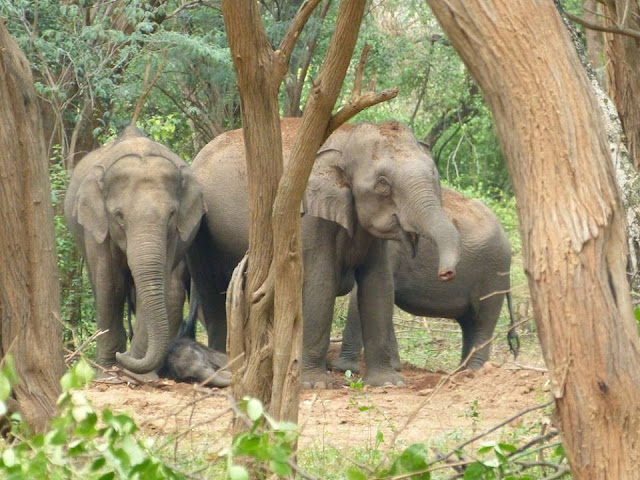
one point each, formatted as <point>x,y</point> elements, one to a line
<point>426,215</point>
<point>146,255</point>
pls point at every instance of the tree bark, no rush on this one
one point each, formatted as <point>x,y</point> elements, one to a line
<point>29,292</point>
<point>623,69</point>
<point>571,221</point>
<point>265,322</point>
<point>595,39</point>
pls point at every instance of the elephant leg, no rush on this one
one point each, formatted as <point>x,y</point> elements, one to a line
<point>477,330</point>
<point>204,263</point>
<point>349,358</point>
<point>319,293</point>
<point>214,311</point>
<point>176,296</point>
<point>110,293</point>
<point>375,304</point>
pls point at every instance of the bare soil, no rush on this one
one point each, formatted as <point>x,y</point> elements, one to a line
<point>431,406</point>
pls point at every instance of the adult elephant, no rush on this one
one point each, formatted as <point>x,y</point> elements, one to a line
<point>474,298</point>
<point>370,183</point>
<point>134,207</point>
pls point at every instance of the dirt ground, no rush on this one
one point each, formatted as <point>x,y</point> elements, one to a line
<point>430,406</point>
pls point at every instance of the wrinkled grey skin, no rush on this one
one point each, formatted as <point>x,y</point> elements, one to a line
<point>369,184</point>
<point>189,361</point>
<point>474,298</point>
<point>134,207</point>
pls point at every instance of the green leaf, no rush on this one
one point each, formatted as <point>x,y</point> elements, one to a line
<point>236,472</point>
<point>254,409</point>
<point>9,457</point>
<point>281,469</point>
<point>354,473</point>
<point>135,453</point>
<point>507,447</point>
<point>475,471</point>
<point>5,387</point>
<point>413,459</point>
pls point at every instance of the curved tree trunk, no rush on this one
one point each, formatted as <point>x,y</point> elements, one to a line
<point>571,218</point>
<point>29,291</point>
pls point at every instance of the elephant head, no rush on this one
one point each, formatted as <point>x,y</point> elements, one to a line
<point>381,177</point>
<point>143,200</point>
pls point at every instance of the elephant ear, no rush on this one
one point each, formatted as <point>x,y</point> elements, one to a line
<point>328,193</point>
<point>89,208</point>
<point>192,206</point>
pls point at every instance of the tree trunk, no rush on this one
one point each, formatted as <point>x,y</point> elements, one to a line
<point>595,39</point>
<point>268,327</point>
<point>29,292</point>
<point>571,218</point>
<point>623,69</point>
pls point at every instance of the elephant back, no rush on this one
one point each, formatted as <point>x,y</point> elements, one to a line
<point>476,222</point>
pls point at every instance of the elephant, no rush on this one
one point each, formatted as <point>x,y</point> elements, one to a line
<point>187,360</point>
<point>134,207</point>
<point>370,183</point>
<point>474,298</point>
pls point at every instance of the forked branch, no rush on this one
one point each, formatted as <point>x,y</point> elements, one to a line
<point>147,86</point>
<point>359,101</point>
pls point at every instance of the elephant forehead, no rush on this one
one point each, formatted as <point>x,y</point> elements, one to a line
<point>144,168</point>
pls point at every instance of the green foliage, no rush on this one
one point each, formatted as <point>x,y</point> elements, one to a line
<point>267,446</point>
<point>354,384</point>
<point>636,314</point>
<point>81,443</point>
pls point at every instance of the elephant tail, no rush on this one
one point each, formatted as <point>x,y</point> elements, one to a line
<point>512,335</point>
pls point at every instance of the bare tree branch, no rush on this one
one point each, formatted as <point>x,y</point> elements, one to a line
<point>358,104</point>
<point>601,28</point>
<point>358,101</point>
<point>291,37</point>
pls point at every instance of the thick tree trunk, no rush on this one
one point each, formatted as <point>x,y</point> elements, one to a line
<point>257,67</point>
<point>267,328</point>
<point>29,296</point>
<point>572,223</point>
<point>623,69</point>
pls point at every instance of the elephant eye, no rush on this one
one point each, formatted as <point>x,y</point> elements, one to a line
<point>383,187</point>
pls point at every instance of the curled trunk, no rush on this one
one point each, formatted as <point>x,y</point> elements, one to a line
<point>426,216</point>
<point>147,261</point>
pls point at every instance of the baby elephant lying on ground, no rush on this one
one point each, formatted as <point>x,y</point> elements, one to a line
<point>189,361</point>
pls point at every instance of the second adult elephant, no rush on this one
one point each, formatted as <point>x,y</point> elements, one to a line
<point>474,298</point>
<point>370,183</point>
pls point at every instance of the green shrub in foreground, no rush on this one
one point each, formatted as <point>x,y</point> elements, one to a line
<point>80,443</point>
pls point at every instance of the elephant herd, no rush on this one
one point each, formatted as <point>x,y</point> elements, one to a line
<point>376,223</point>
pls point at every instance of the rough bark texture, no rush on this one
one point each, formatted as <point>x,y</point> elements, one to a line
<point>256,66</point>
<point>572,223</point>
<point>29,295</point>
<point>595,39</point>
<point>286,225</point>
<point>265,324</point>
<point>623,69</point>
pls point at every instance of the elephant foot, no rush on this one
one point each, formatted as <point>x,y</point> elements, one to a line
<point>315,378</point>
<point>342,364</point>
<point>378,377</point>
<point>396,364</point>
